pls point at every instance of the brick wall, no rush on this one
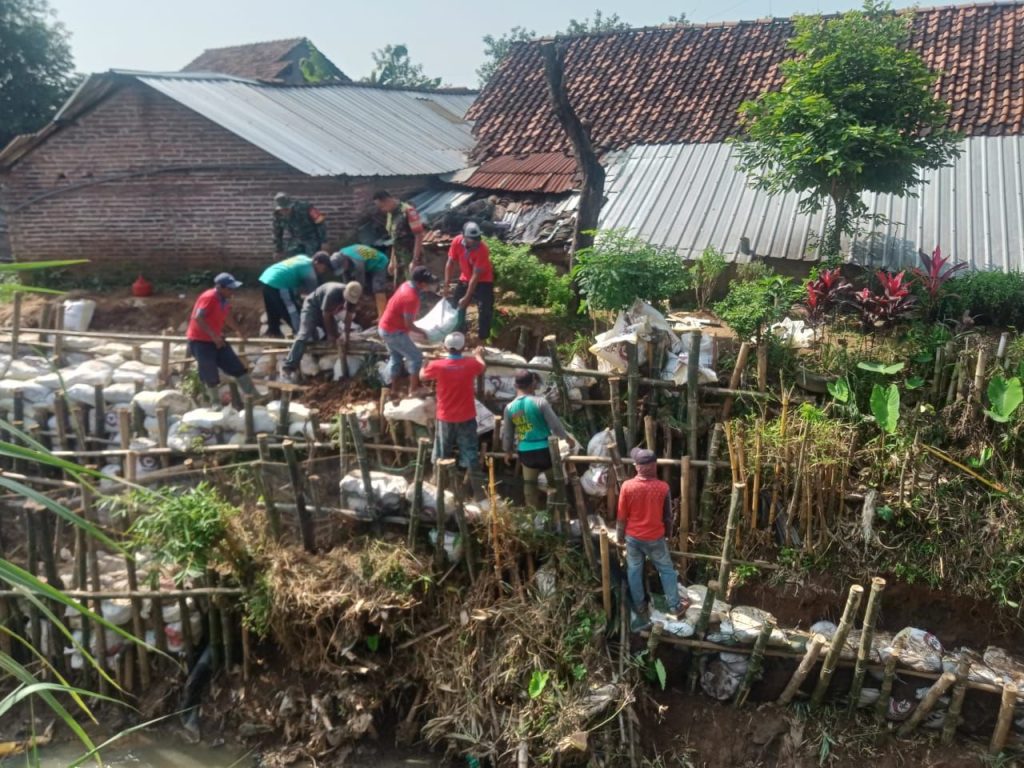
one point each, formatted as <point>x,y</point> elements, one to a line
<point>189,195</point>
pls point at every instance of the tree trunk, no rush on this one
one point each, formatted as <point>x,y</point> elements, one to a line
<point>592,191</point>
<point>834,233</point>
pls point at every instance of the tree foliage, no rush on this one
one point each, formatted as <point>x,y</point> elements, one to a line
<point>856,112</point>
<point>496,48</point>
<point>619,269</point>
<point>35,66</point>
<point>392,67</point>
<point>597,23</point>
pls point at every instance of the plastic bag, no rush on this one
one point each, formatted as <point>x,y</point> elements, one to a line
<point>388,490</point>
<point>484,418</point>
<point>428,510</point>
<point>595,480</point>
<point>918,649</point>
<point>747,622</point>
<point>78,314</point>
<point>439,322</point>
<point>721,675</point>
<point>175,402</point>
<point>415,409</point>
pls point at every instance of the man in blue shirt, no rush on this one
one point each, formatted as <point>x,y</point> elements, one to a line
<point>284,282</point>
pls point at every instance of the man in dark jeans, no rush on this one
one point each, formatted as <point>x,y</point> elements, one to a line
<point>284,283</point>
<point>471,255</point>
<point>320,311</point>
<point>206,342</point>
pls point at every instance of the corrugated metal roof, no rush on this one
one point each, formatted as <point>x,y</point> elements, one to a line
<point>690,196</point>
<point>551,172</point>
<point>333,130</point>
<point>431,202</point>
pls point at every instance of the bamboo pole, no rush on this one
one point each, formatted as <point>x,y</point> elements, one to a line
<point>755,493</point>
<point>685,508</point>
<point>559,375</point>
<point>250,419</point>
<point>616,413</point>
<point>706,498</point>
<point>836,644</point>
<point>806,665</point>
<point>701,629</point>
<point>606,575</point>
<point>956,702</point>
<point>1004,720</point>
<point>734,380</point>
<point>558,501</point>
<point>163,432</point>
<point>582,517</point>
<point>188,643</point>
<point>94,577</point>
<point>888,676</point>
<point>417,497</point>
<point>651,433</point>
<point>364,463</point>
<point>632,392</point>
<point>866,637</point>
<point>460,520</point>
<point>730,526</point>
<point>756,662</point>
<point>762,365</point>
<point>306,528</point>
<point>1004,339</point>
<point>693,397</point>
<point>926,704</point>
<point>266,488</point>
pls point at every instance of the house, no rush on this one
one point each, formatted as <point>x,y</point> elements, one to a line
<point>661,103</point>
<point>171,172</point>
<point>275,61</point>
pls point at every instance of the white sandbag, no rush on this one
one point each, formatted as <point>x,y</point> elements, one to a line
<point>109,471</point>
<point>152,352</point>
<point>676,370</point>
<point>119,393</point>
<point>78,314</point>
<point>918,649</point>
<point>27,367</point>
<point>439,321</point>
<point>31,390</point>
<point>206,419</point>
<point>721,674</point>
<point>428,509</point>
<point>598,445</point>
<point>418,410</point>
<point>132,371</point>
<point>296,411</point>
<point>366,415</point>
<point>302,430</point>
<point>595,480</point>
<point>175,402</point>
<point>388,491</point>
<point>263,366</point>
<point>93,373</point>
<point>82,393</point>
<point>707,348</point>
<point>173,630</point>
<point>484,418</point>
<point>499,387</point>
<point>677,627</point>
<point>51,380</point>
<point>262,420</point>
<point>355,365</point>
<point>308,366</point>
<point>384,372</point>
<point>184,439</point>
<point>1007,668</point>
<point>747,622</point>
<point>114,348</point>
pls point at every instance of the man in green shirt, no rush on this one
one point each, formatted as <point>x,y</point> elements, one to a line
<point>284,283</point>
<point>367,266</point>
<point>530,421</point>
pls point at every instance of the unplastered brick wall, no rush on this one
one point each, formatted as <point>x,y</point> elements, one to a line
<point>140,182</point>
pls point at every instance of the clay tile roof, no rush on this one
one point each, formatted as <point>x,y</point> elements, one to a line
<point>683,84</point>
<point>271,61</point>
<point>550,172</point>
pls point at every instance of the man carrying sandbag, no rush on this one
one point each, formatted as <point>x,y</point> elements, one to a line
<point>643,522</point>
<point>396,326</point>
<point>529,421</point>
<point>284,283</point>
<point>456,406</point>
<point>320,310</point>
<point>206,342</point>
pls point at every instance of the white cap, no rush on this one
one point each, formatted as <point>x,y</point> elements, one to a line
<point>353,292</point>
<point>455,341</point>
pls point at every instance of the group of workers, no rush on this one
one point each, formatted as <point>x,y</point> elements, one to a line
<point>332,286</point>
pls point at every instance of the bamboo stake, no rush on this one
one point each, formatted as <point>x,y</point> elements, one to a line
<point>163,432</point>
<point>606,577</point>
<point>926,704</point>
<point>616,414</point>
<point>836,644</point>
<point>734,380</point>
<point>492,497</point>
<point>685,509</point>
<point>701,629</point>
<point>937,375</point>
<point>979,377</point>
<point>806,665</point>
<point>364,463</point>
<point>756,662</point>
<point>1005,719</point>
<point>417,484</point>
<point>306,528</point>
<point>956,703</point>
<point>581,512</point>
<point>165,363</point>
<point>706,498</point>
<point>730,526</point>
<point>755,494</point>
<point>741,470</point>
<point>693,397</point>
<point>60,413</point>
<point>460,520</point>
<point>94,577</point>
<point>651,433</point>
<point>283,413</point>
<point>266,489</point>
<point>250,419</point>
<point>888,676</point>
<point>791,511</point>
<point>762,365</point>
<point>442,482</point>
<point>559,375</point>
<point>58,342</point>
<point>632,392</point>
<point>1004,338</point>
<point>780,460</point>
<point>558,501</point>
<point>866,637</point>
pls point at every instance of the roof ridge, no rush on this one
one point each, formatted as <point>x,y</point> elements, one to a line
<point>294,40</point>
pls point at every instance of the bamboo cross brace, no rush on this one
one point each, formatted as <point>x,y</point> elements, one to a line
<point>926,704</point>
<point>810,658</point>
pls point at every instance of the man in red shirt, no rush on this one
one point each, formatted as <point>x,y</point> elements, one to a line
<point>643,522</point>
<point>396,324</point>
<point>476,277</point>
<point>206,342</point>
<point>456,405</point>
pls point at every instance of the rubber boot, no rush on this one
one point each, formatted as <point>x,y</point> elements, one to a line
<point>245,384</point>
<point>214,394</point>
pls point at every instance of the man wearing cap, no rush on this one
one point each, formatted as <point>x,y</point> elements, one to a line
<point>395,327</point>
<point>206,342</point>
<point>366,265</point>
<point>320,310</point>
<point>455,376</point>
<point>304,225</point>
<point>471,255</point>
<point>284,282</point>
<point>643,523</point>
<point>529,421</point>
<point>404,228</point>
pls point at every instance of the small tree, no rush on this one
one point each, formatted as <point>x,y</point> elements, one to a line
<point>599,23</point>
<point>856,112</point>
<point>35,66</point>
<point>393,68</point>
<point>619,269</point>
<point>704,274</point>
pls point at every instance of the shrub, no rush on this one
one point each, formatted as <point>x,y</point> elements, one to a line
<point>704,274</point>
<point>991,298</point>
<point>753,305</point>
<point>883,309</point>
<point>535,283</point>
<point>619,269</point>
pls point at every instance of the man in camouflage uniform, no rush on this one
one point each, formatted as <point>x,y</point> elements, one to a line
<point>303,224</point>
<point>405,231</point>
